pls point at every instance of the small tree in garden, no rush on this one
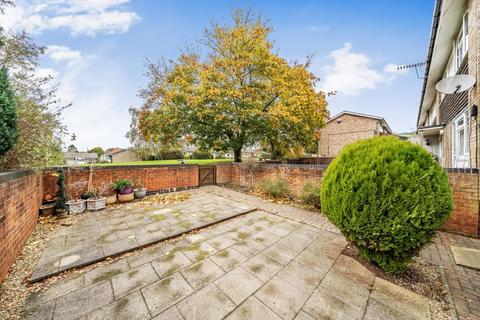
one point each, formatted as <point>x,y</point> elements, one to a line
<point>61,194</point>
<point>8,114</point>
<point>388,197</point>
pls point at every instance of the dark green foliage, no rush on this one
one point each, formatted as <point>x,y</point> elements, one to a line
<point>311,193</point>
<point>8,114</point>
<point>277,188</point>
<point>61,194</point>
<point>200,154</point>
<point>121,184</point>
<point>388,197</point>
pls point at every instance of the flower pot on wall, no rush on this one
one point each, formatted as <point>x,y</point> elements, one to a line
<point>95,204</point>
<point>77,206</point>
<point>140,193</point>
<point>111,200</point>
<point>125,197</point>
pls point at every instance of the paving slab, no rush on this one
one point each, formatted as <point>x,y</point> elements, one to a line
<point>228,259</point>
<point>201,273</point>
<point>115,231</point>
<point>170,263</point>
<point>252,308</point>
<point>171,313</point>
<point>133,279</point>
<point>238,284</point>
<point>130,307</point>
<point>84,301</point>
<point>166,292</point>
<point>466,257</point>
<point>281,297</point>
<point>207,303</point>
<point>394,300</point>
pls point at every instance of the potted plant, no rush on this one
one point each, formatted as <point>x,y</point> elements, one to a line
<point>124,190</point>
<point>95,201</point>
<point>77,205</point>
<point>139,191</point>
<point>61,195</point>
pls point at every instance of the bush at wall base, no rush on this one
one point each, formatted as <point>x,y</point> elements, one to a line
<point>388,197</point>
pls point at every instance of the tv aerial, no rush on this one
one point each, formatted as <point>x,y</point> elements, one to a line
<point>455,84</point>
<point>411,66</point>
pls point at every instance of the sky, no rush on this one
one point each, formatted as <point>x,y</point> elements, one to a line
<point>96,51</point>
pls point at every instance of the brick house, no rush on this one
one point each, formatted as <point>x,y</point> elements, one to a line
<point>447,124</point>
<point>347,127</point>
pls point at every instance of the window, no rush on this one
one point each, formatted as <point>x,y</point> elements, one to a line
<point>460,48</point>
<point>460,142</point>
<point>465,31</point>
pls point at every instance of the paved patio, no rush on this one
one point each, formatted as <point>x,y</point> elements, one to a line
<point>255,266</point>
<point>111,232</point>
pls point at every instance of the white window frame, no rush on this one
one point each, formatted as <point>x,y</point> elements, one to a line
<point>460,158</point>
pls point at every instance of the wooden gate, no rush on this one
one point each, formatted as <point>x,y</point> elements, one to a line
<point>207,175</point>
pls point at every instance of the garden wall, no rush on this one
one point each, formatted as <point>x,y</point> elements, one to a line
<point>296,175</point>
<point>154,178</point>
<point>20,200</point>
<point>464,219</point>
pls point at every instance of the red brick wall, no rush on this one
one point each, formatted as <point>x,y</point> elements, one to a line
<point>464,219</point>
<point>248,176</point>
<point>20,199</point>
<point>224,173</point>
<point>154,178</point>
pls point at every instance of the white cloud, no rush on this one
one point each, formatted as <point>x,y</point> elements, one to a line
<point>65,54</point>
<point>318,28</point>
<point>80,17</point>
<point>46,72</point>
<point>351,73</point>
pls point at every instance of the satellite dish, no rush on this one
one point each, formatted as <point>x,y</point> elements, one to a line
<point>455,84</point>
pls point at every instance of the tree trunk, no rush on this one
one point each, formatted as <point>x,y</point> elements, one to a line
<point>237,155</point>
<point>272,151</point>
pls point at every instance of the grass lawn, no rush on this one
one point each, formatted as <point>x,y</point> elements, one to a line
<point>164,162</point>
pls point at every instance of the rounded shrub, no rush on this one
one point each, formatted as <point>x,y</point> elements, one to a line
<point>388,197</point>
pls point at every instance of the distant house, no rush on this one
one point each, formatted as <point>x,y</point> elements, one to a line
<point>123,155</point>
<point>78,158</point>
<point>447,124</point>
<point>347,127</point>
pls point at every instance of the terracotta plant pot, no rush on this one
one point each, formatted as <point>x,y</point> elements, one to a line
<point>125,197</point>
<point>140,193</point>
<point>111,200</point>
<point>95,204</point>
<point>126,190</point>
<point>77,206</point>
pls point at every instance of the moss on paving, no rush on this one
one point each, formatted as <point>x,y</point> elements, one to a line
<point>256,268</point>
<point>223,254</point>
<point>132,273</point>
<point>260,239</point>
<point>243,235</point>
<point>159,217</point>
<point>202,254</point>
<point>197,267</point>
<point>258,228</point>
<point>107,275</point>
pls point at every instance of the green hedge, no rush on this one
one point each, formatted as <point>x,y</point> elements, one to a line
<point>388,197</point>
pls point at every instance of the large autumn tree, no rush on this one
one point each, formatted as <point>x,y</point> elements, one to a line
<point>237,93</point>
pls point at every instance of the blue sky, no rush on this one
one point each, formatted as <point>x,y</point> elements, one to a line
<point>97,49</point>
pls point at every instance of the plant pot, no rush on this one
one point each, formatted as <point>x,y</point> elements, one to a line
<point>111,200</point>
<point>47,209</point>
<point>126,190</point>
<point>125,197</point>
<point>77,206</point>
<point>95,204</point>
<point>140,193</point>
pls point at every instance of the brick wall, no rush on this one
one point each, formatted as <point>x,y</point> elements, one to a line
<point>20,199</point>
<point>345,130</point>
<point>224,173</point>
<point>154,178</point>
<point>248,176</point>
<point>464,219</point>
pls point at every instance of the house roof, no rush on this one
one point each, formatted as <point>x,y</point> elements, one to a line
<point>114,151</point>
<point>382,120</point>
<point>447,17</point>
